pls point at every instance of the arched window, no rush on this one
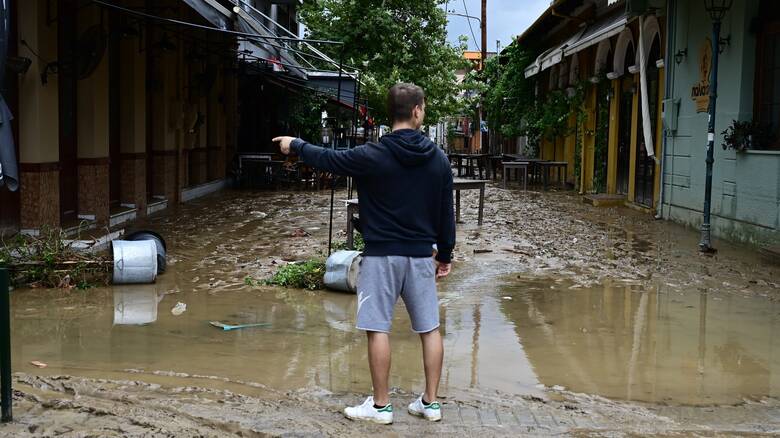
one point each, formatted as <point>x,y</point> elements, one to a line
<point>603,55</point>
<point>624,53</point>
<point>574,69</point>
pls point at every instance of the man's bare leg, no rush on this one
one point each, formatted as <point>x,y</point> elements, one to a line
<point>379,363</point>
<point>433,354</point>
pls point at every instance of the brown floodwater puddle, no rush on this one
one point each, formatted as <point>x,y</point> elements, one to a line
<point>516,335</point>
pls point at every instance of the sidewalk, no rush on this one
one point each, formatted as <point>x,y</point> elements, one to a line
<point>69,406</point>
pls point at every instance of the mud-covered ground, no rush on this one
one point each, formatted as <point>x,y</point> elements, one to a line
<point>560,318</point>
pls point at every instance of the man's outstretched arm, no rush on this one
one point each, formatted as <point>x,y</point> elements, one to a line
<point>352,162</point>
<point>445,241</point>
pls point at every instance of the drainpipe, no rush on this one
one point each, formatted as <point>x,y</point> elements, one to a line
<point>5,18</point>
<point>671,36</point>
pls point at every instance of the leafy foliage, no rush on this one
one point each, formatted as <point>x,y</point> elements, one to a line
<point>390,41</point>
<point>305,275</point>
<point>49,260</point>
<point>359,244</point>
<point>741,136</point>
<point>513,106</point>
<point>305,114</point>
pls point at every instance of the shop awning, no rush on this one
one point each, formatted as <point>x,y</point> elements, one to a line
<point>212,11</point>
<point>602,29</point>
<point>261,48</point>
<point>551,56</point>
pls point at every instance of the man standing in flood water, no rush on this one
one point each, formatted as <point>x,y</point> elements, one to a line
<point>404,185</point>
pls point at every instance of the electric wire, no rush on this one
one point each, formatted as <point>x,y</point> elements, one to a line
<point>215,29</point>
<point>468,20</point>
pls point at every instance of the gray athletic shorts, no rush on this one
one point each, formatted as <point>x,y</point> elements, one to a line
<point>383,279</point>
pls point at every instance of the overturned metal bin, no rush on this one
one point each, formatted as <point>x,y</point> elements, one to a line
<point>342,269</point>
<point>134,261</point>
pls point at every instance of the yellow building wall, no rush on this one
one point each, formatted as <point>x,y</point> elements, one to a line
<point>612,146</point>
<point>588,142</point>
<point>632,153</point>
<point>658,140</point>
<point>569,149</point>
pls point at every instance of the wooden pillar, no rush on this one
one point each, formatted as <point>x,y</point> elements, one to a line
<point>38,121</point>
<point>133,124</point>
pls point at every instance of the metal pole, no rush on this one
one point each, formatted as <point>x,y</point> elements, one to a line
<point>483,24</point>
<point>333,176</point>
<point>705,245</point>
<point>5,347</point>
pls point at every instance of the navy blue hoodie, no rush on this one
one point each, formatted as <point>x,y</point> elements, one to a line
<point>404,185</point>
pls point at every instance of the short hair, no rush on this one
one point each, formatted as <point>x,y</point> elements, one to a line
<point>401,100</point>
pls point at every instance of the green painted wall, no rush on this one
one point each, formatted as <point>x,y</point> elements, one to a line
<point>746,186</point>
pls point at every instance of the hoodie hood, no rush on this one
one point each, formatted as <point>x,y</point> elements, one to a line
<point>410,147</point>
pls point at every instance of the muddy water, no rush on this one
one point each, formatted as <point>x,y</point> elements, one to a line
<point>515,333</point>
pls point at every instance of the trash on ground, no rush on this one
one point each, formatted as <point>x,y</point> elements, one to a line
<point>38,364</point>
<point>179,308</point>
<point>227,327</point>
<point>482,251</point>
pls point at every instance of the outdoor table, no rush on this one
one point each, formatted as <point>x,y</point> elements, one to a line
<point>458,161</point>
<point>468,184</point>
<point>353,205</point>
<point>518,166</point>
<point>471,160</point>
<point>545,167</point>
<point>494,162</point>
<point>252,157</point>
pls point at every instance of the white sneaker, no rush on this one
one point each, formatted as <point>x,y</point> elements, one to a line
<point>431,412</point>
<point>367,412</point>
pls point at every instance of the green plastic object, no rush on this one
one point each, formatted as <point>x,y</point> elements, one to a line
<point>228,327</point>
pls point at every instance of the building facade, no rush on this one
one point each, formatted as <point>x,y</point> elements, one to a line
<point>120,111</point>
<point>745,184</point>
<point>643,142</point>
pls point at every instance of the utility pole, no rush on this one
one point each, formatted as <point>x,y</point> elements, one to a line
<point>483,24</point>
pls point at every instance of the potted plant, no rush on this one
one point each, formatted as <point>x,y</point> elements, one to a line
<point>741,136</point>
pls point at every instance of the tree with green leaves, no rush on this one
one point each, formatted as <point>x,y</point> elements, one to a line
<point>391,41</point>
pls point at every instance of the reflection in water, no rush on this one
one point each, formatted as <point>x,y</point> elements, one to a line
<point>649,345</point>
<point>135,305</point>
<point>622,342</point>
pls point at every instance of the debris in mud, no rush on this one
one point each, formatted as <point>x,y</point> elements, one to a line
<point>52,260</point>
<point>299,232</point>
<point>179,308</point>
<point>482,251</point>
<point>305,275</point>
<point>229,327</point>
<point>38,364</point>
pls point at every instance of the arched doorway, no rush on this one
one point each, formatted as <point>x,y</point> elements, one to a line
<point>624,58</point>
<point>645,165</point>
<point>604,57</point>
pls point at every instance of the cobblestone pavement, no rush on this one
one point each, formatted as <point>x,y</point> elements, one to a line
<point>68,406</point>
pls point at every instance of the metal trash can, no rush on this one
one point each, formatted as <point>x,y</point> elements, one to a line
<point>134,262</point>
<point>135,306</point>
<point>157,239</point>
<point>342,269</point>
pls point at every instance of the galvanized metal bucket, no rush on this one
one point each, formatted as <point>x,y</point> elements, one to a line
<point>158,240</point>
<point>135,306</point>
<point>342,269</point>
<point>134,262</point>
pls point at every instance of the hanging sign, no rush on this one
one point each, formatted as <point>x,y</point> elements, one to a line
<point>700,92</point>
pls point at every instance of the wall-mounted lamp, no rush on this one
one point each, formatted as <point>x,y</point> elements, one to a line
<point>50,68</point>
<point>18,64</point>
<point>723,42</point>
<point>680,55</point>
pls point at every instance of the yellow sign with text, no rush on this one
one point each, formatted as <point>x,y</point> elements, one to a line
<point>700,92</point>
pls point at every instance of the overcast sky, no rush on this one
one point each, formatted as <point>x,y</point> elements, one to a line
<point>505,19</point>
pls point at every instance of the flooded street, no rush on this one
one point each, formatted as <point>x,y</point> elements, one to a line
<point>550,300</point>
